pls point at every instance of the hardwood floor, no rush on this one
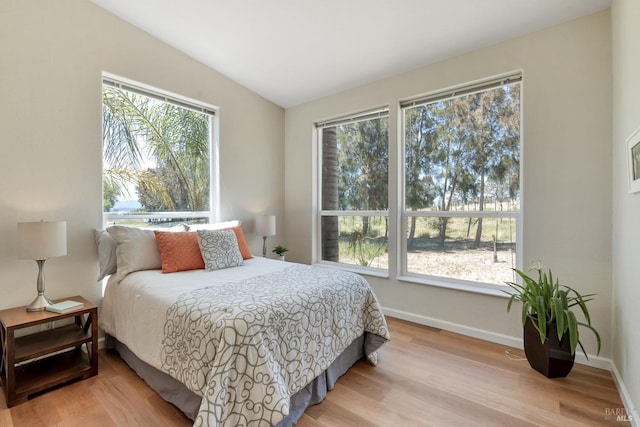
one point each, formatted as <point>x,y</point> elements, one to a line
<point>425,377</point>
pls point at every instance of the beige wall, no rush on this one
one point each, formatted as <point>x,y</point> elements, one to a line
<point>566,179</point>
<point>52,54</point>
<point>625,16</point>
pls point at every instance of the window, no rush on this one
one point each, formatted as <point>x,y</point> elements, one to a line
<point>157,164</point>
<point>354,189</point>
<point>461,213</point>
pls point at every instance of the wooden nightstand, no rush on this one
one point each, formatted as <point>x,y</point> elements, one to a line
<point>33,363</point>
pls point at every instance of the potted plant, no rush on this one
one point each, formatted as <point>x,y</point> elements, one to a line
<point>551,333</point>
<point>280,250</point>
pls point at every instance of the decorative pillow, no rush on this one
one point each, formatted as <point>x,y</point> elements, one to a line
<point>227,225</point>
<point>242,243</point>
<point>106,254</point>
<point>219,249</point>
<point>179,251</point>
<point>136,250</point>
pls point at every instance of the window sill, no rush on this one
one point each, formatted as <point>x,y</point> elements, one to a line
<point>480,288</point>
<point>367,271</point>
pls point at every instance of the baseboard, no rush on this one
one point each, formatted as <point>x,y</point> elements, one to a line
<point>594,361</point>
<point>454,327</point>
<point>631,414</point>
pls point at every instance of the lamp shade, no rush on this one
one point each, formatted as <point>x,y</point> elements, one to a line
<point>42,240</point>
<point>266,225</point>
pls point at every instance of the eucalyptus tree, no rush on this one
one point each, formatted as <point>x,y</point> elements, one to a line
<point>363,158</point>
<point>495,142</point>
<point>450,157</point>
<point>475,140</point>
<point>374,183</point>
<point>419,142</point>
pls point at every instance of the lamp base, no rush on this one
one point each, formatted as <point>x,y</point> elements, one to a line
<point>39,304</point>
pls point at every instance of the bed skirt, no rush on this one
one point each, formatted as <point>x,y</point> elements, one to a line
<point>188,402</point>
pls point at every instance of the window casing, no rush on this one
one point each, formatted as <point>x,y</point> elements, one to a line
<point>461,218</point>
<point>159,162</point>
<point>435,215</point>
<point>354,177</point>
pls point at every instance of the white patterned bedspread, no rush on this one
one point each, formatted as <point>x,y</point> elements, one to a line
<point>244,338</point>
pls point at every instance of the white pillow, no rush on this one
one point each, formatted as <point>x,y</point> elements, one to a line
<point>214,226</point>
<point>106,254</point>
<point>136,249</point>
<point>219,249</point>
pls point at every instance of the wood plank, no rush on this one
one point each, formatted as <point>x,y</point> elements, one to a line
<point>39,412</point>
<point>333,414</point>
<point>5,414</point>
<point>425,377</point>
<point>81,412</point>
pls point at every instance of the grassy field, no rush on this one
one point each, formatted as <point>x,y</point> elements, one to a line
<point>457,257</point>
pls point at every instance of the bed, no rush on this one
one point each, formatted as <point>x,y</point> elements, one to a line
<point>252,344</point>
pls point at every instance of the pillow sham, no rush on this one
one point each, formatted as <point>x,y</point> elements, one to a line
<point>179,251</point>
<point>136,249</point>
<point>106,253</point>
<point>219,249</point>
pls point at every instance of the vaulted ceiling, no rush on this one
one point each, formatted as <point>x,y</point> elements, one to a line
<point>294,51</point>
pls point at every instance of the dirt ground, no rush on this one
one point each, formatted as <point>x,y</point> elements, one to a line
<point>472,264</point>
<point>469,264</point>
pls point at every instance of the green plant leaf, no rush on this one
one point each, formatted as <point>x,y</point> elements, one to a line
<point>598,341</point>
<point>583,350</point>
<point>557,306</point>
<point>580,301</point>
<point>572,324</point>
<point>542,319</point>
<point>513,297</point>
<point>526,310</point>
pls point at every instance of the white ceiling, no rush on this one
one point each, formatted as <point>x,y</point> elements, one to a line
<point>294,51</point>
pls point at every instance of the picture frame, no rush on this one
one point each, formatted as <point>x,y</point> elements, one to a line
<point>633,161</point>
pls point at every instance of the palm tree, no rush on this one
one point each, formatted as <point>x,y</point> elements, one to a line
<point>330,232</point>
<point>137,129</point>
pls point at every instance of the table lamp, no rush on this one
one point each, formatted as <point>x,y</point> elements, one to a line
<point>265,226</point>
<point>40,241</point>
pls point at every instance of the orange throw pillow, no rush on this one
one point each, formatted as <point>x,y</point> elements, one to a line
<point>242,243</point>
<point>179,251</point>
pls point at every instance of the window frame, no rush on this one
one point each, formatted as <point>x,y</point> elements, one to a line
<point>451,282</point>
<point>373,113</point>
<point>405,214</point>
<point>213,214</point>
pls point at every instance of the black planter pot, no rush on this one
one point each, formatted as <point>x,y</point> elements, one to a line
<point>553,358</point>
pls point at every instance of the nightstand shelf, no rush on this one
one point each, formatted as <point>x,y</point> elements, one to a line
<point>37,362</point>
<point>47,342</point>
